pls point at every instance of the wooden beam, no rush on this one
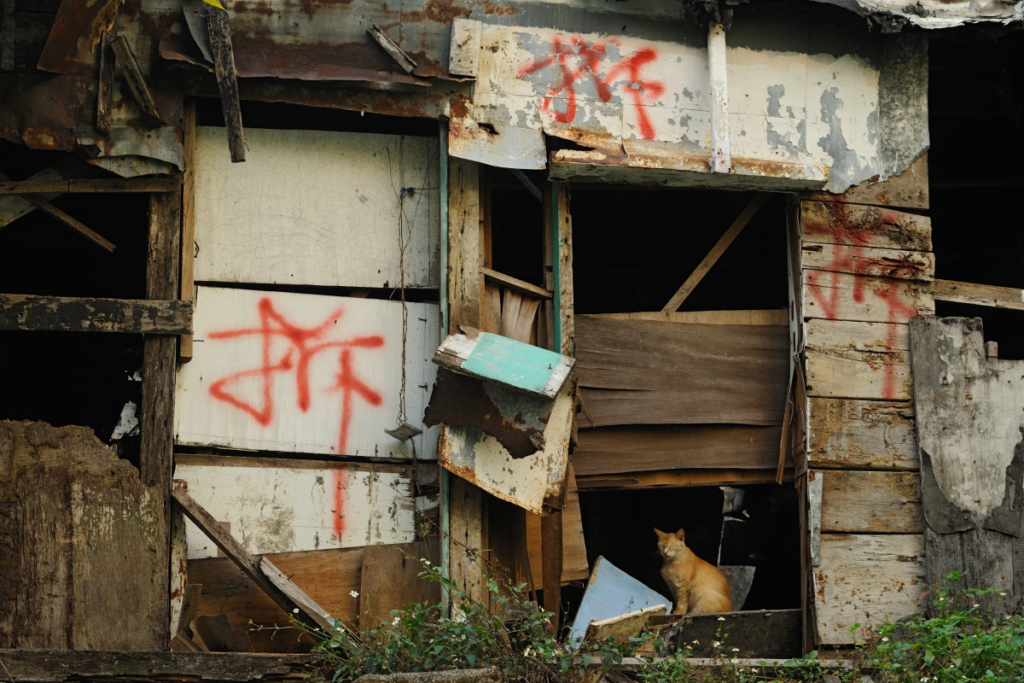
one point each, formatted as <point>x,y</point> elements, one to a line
<point>565,341</point>
<point>105,85</point>
<point>227,79</point>
<point>979,295</point>
<point>551,561</point>
<point>778,317</point>
<point>515,283</point>
<point>65,219</point>
<point>465,284</point>
<point>259,570</point>
<point>90,185</point>
<point>24,312</point>
<point>680,478</point>
<point>133,75</point>
<point>391,47</point>
<point>716,252</point>
<point>188,220</point>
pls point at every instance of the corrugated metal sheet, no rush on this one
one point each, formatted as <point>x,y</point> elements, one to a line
<point>71,47</point>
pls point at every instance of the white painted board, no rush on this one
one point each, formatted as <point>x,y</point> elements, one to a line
<point>317,208</point>
<point>304,505</point>
<point>305,373</point>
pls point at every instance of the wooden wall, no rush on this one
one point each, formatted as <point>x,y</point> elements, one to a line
<point>863,273</point>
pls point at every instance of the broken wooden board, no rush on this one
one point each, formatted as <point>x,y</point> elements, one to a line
<point>329,383</point>
<point>851,434</point>
<point>71,314</point>
<point>898,264</point>
<point>647,372</point>
<point>328,576</point>
<point>277,506</point>
<point>842,296</point>
<point>510,363</point>
<point>857,360</point>
<point>970,426</point>
<point>871,502</point>
<point>390,580</point>
<point>610,593</point>
<point>526,482</point>
<point>908,190</point>
<point>73,511</point>
<point>621,628</point>
<point>978,295</point>
<point>864,226</point>
<point>867,579</point>
<point>516,419</point>
<point>767,634</point>
<point>274,220</point>
<point>574,548</point>
<point>636,448</point>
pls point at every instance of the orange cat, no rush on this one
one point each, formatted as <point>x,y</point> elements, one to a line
<point>697,587</point>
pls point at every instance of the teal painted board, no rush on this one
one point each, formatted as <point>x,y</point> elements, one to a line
<point>505,361</point>
<point>612,592</point>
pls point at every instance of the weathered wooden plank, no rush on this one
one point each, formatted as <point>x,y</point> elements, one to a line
<point>330,576</point>
<point>763,634</point>
<point>842,296</point>
<point>551,543</point>
<point>908,190</point>
<point>867,579</point>
<point>621,628</point>
<point>219,29</point>
<point>91,185</point>
<point>56,666</point>
<point>68,220</point>
<point>271,221</point>
<point>778,317</point>
<point>515,284</point>
<point>898,264</point>
<point>466,542</point>
<point>716,251</point>
<point>979,295</point>
<point>646,372</point>
<point>608,450</point>
<point>73,511</point>
<point>871,502</point>
<point>505,361</point>
<point>70,314</point>
<point>857,360</point>
<point>574,549</point>
<point>407,63</point>
<point>681,478</point>
<point>260,571</point>
<point>863,226</point>
<point>189,135</point>
<point>133,76</point>
<point>293,505</point>
<point>852,434</point>
<point>390,580</point>
<point>333,375</point>
<point>465,284</point>
<point>518,313</point>
<point>564,271</point>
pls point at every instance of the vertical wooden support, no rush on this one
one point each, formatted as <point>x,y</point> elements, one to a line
<point>445,476</point>
<point>563,272</point>
<point>227,79</point>
<point>551,558</point>
<point>466,541</point>
<point>105,84</point>
<point>188,222</point>
<point>158,366</point>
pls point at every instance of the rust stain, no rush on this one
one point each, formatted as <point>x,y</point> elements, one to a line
<point>437,11</point>
<point>491,7</point>
<point>71,47</point>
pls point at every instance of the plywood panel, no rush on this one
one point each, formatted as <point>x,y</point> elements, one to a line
<point>609,450</point>
<point>855,434</point>
<point>316,208</point>
<point>871,502</point>
<point>305,373</point>
<point>647,372</point>
<point>327,576</point>
<point>858,360</point>
<point>864,226</point>
<point>842,296</point>
<point>865,579</point>
<point>390,580</point>
<point>274,506</point>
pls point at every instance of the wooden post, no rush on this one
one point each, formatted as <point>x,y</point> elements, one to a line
<point>188,222</point>
<point>227,79</point>
<point>158,366</point>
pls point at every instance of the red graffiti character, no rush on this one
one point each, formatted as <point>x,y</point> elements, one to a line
<point>303,345</point>
<point>576,60</point>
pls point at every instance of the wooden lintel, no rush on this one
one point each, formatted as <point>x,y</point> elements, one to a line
<point>979,295</point>
<point>716,252</point>
<point>515,284</point>
<point>260,571</point>
<point>21,312</point>
<point>90,185</point>
<point>391,47</point>
<point>227,79</point>
<point>681,478</point>
<point>133,75</point>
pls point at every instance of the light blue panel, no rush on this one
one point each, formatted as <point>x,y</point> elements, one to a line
<point>611,593</point>
<point>512,363</point>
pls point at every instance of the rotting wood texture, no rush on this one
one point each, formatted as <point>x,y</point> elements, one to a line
<point>871,502</point>
<point>970,426</point>
<point>227,79</point>
<point>864,226</point>
<point>390,580</point>
<point>851,434</point>
<point>857,360</point>
<point>90,185</point>
<point>767,633</point>
<point>646,372</point>
<point>574,549</point>
<point>73,511</point>
<point>67,314</point>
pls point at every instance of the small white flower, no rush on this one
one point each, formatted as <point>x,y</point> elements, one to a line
<point>734,660</point>
<point>753,669</point>
<point>974,605</point>
<point>716,644</point>
<point>885,640</point>
<point>354,594</point>
<point>527,651</point>
<point>1002,594</point>
<point>296,610</point>
<point>735,649</point>
<point>721,618</point>
<point>941,599</point>
<point>396,621</point>
<point>696,642</point>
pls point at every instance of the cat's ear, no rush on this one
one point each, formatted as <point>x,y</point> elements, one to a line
<point>661,534</point>
<point>681,535</point>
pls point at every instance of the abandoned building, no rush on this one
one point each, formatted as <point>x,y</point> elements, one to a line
<point>295,292</point>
